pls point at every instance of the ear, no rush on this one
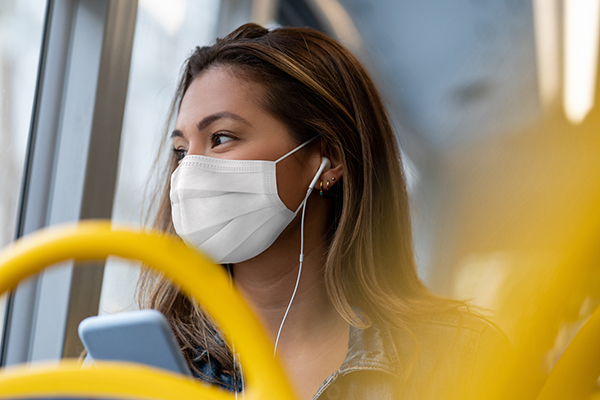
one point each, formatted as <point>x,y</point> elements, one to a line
<point>335,172</point>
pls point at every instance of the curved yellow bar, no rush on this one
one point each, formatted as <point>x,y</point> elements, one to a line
<point>577,370</point>
<point>107,379</point>
<point>195,274</point>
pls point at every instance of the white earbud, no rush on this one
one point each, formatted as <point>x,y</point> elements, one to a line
<point>325,163</point>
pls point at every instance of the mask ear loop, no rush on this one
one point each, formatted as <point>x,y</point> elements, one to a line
<point>289,153</point>
<point>325,163</point>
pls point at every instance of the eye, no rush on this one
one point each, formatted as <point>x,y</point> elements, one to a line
<point>220,138</point>
<point>179,153</point>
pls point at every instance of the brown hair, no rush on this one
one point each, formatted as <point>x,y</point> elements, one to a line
<point>317,87</point>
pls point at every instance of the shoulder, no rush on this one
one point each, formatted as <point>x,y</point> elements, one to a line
<point>467,331</point>
<point>463,331</point>
<point>450,351</point>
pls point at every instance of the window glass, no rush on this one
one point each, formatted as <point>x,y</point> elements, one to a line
<point>21,25</point>
<point>166,33</point>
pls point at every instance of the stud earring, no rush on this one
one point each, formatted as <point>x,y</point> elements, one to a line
<point>327,186</point>
<point>333,179</point>
<point>321,189</point>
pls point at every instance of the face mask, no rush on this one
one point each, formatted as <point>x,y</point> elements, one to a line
<point>230,209</point>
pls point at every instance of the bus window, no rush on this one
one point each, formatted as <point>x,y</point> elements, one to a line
<point>20,40</point>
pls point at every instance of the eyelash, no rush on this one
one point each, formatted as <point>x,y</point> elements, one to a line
<point>217,135</point>
<point>181,153</point>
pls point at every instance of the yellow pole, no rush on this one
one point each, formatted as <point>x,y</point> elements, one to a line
<point>193,272</point>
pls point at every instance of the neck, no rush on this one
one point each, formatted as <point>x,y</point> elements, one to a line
<point>268,280</point>
<point>314,339</point>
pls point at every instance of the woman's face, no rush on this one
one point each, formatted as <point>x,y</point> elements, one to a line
<point>221,117</point>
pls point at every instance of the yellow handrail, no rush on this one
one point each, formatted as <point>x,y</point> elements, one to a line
<point>577,370</point>
<point>194,273</point>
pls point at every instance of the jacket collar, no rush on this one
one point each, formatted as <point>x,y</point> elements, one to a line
<point>371,349</point>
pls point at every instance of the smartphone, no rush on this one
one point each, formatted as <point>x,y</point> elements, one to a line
<point>138,336</point>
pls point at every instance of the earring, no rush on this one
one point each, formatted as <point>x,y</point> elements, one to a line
<point>321,189</point>
<point>333,179</point>
<point>327,186</point>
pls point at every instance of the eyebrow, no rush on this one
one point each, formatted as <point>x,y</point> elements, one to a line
<point>208,120</point>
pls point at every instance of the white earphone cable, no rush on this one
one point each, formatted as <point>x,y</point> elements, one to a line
<point>299,270</point>
<point>325,163</point>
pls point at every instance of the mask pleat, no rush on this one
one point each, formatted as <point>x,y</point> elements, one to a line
<point>212,211</point>
<point>263,228</point>
<point>192,176</point>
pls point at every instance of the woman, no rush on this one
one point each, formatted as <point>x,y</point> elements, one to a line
<point>360,324</point>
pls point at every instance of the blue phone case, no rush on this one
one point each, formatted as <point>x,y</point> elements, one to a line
<point>138,336</point>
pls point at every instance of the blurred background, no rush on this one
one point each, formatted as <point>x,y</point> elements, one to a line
<point>495,104</point>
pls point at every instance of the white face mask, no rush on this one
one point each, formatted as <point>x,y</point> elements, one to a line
<point>229,209</point>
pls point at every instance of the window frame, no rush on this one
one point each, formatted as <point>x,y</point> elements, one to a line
<point>71,165</point>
